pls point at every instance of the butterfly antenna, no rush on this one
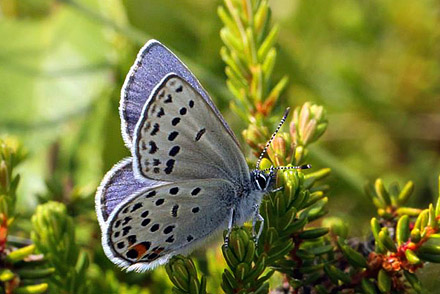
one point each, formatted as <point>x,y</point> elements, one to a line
<point>305,166</point>
<point>286,113</point>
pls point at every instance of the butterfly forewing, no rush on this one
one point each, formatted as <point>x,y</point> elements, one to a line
<point>179,137</point>
<point>160,222</point>
<point>152,64</point>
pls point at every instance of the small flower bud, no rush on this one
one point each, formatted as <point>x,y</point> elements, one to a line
<point>277,151</point>
<point>4,176</point>
<point>308,124</point>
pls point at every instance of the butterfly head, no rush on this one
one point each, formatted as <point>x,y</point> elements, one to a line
<point>263,181</point>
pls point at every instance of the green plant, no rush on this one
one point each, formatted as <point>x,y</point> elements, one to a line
<point>373,64</point>
<point>54,235</point>
<point>20,270</point>
<point>310,257</point>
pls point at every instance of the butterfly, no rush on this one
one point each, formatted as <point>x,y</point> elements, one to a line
<point>187,178</point>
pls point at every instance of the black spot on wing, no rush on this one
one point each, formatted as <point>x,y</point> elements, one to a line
<point>174,210</point>
<point>179,89</point>
<point>195,191</point>
<point>131,239</point>
<point>169,99</point>
<point>146,244</point>
<point>132,253</point>
<point>153,147</point>
<point>159,201</point>
<point>170,166</point>
<point>191,103</point>
<point>182,111</point>
<point>189,238</point>
<point>172,136</point>
<point>155,129</point>
<point>150,194</point>
<point>174,150</point>
<point>145,214</point>
<point>199,134</point>
<point>117,223</point>
<point>127,219</point>
<point>120,245</point>
<point>145,222</point>
<point>195,210</point>
<point>161,112</point>
<point>136,206</point>
<point>169,229</point>
<point>170,239</point>
<point>126,230</point>
<point>153,256</point>
<point>175,121</point>
<point>174,190</point>
<point>154,228</point>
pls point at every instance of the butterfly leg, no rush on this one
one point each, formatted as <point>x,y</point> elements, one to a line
<point>257,217</point>
<point>277,189</point>
<point>230,225</point>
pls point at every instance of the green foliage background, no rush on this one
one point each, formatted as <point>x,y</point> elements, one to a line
<point>374,65</point>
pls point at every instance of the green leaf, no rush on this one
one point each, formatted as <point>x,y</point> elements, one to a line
<point>354,258</point>
<point>368,286</point>
<point>384,281</point>
<point>385,239</point>
<point>411,257</point>
<point>402,230</point>
<point>20,254</point>
<point>413,281</point>
<point>313,233</point>
<point>405,193</point>
<point>381,192</point>
<point>32,289</point>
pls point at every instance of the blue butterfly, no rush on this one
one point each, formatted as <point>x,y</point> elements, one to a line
<point>187,177</point>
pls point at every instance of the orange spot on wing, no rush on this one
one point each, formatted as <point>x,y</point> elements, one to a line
<point>141,250</point>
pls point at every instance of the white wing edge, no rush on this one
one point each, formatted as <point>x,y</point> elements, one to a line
<point>103,224</point>
<point>103,184</point>
<point>127,139</point>
<point>124,264</point>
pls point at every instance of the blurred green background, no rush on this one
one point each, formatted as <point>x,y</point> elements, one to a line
<point>374,65</point>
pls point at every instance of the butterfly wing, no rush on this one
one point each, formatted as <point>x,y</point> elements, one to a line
<point>118,184</point>
<point>155,224</point>
<point>153,63</point>
<point>180,137</point>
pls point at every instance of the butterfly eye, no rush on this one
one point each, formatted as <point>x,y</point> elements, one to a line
<point>261,181</point>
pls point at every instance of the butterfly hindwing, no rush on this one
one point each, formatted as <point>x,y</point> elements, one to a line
<point>166,220</point>
<point>179,137</point>
<point>118,184</point>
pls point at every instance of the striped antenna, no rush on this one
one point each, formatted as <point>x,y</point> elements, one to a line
<point>305,166</point>
<point>286,113</point>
